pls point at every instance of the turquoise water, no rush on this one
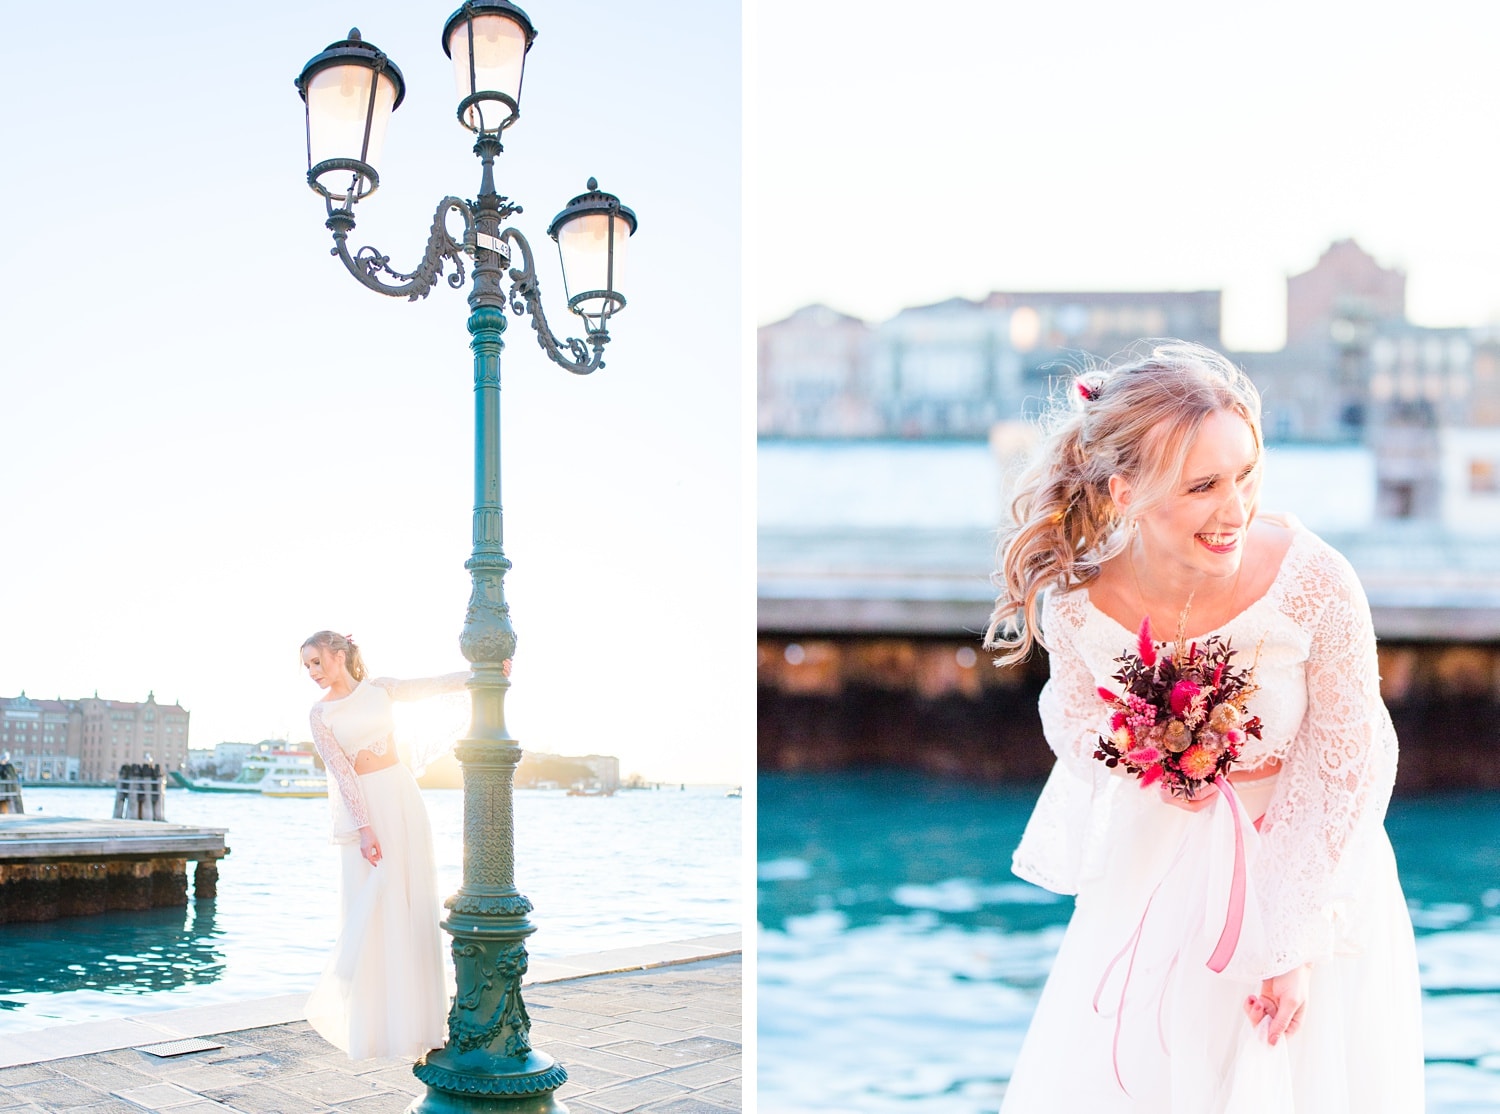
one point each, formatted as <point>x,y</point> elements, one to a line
<point>900,960</point>
<point>636,868</point>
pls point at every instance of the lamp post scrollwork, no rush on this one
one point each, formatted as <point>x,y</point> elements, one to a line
<point>351,90</point>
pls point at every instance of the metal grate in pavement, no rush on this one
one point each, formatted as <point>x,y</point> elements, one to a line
<point>178,1048</point>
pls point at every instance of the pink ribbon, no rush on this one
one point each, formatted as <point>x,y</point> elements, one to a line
<point>1132,945</point>
<point>1234,919</point>
<point>1234,916</point>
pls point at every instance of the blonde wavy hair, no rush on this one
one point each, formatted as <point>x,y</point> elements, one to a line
<point>1137,419</point>
<point>340,643</point>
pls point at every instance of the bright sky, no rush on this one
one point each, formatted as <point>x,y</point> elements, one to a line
<point>215,442</point>
<point>907,153</point>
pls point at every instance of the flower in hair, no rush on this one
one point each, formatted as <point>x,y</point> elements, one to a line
<point>1086,391</point>
<point>349,638</point>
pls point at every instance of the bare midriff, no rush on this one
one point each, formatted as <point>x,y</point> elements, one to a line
<point>1265,769</point>
<point>367,762</point>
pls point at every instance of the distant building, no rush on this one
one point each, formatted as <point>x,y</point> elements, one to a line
<point>955,368</point>
<point>1346,282</point>
<point>811,377</point>
<point>35,733</point>
<point>90,739</point>
<point>1425,402</point>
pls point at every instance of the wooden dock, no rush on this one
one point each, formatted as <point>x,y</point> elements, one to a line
<point>54,866</point>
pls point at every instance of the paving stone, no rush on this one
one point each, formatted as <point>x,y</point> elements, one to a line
<point>692,1104</point>
<point>397,1079</point>
<point>200,1077</point>
<point>156,1096</point>
<point>640,1031</point>
<point>9,1101</point>
<point>543,1036</point>
<point>26,1073</point>
<point>729,1034</point>
<point>705,1048</point>
<point>277,1039</point>
<point>102,1073</point>
<point>268,1065</point>
<point>262,1098</point>
<point>107,1106</point>
<point>708,1016</point>
<point>634,1095</point>
<point>51,1094</point>
<point>662,1055</point>
<point>631,1067</point>
<point>591,1077</point>
<point>731,1095</point>
<point>706,1074</point>
<point>327,1086</point>
<point>579,1019</point>
<point>670,1019</point>
<point>377,1104</point>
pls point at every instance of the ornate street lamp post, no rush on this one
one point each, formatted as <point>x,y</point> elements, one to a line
<point>350,90</point>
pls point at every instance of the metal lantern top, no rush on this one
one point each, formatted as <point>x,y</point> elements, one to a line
<point>488,41</point>
<point>350,90</point>
<point>592,235</point>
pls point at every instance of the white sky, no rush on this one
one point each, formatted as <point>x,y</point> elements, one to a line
<point>213,441</point>
<point>907,153</point>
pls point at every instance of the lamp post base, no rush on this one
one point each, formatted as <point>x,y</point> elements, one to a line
<point>526,1086</point>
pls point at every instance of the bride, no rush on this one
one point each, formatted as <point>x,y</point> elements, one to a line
<point>383,991</point>
<point>1143,504</point>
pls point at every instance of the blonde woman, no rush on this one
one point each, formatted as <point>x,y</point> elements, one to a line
<point>383,991</point>
<point>1143,502</point>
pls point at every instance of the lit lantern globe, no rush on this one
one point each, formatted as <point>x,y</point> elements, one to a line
<point>593,234</point>
<point>350,90</point>
<point>488,41</point>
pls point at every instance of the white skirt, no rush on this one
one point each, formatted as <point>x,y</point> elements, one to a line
<point>383,991</point>
<point>1135,1021</point>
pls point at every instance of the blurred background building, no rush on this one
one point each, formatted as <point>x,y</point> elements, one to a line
<point>90,739</point>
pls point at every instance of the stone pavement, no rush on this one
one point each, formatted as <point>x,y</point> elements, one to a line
<point>666,1038</point>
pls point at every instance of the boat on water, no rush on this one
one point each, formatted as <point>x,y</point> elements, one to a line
<point>282,773</point>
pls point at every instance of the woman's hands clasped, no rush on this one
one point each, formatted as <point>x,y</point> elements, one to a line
<point>1282,999</point>
<point>369,846</point>
<point>1200,801</point>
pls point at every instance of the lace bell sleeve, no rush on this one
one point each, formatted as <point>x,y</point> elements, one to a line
<point>348,800</point>
<point>1334,786</point>
<point>1062,847</point>
<point>421,688</point>
<point>1073,715</point>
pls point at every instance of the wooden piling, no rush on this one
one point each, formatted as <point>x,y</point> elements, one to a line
<point>140,793</point>
<point>10,790</point>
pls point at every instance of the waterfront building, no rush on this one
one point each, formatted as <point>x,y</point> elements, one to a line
<point>1424,402</point>
<point>35,734</point>
<point>955,368</point>
<point>811,380</point>
<point>90,739</point>
<point>1346,283</point>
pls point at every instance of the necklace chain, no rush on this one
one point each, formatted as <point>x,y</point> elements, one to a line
<point>1234,590</point>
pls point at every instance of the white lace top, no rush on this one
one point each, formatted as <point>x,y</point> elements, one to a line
<point>362,721</point>
<point>1319,702</point>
